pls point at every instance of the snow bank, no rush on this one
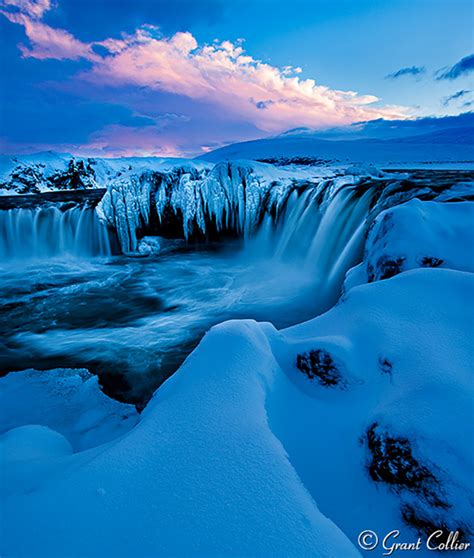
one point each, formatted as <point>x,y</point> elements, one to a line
<point>417,234</point>
<point>67,401</point>
<point>400,413</point>
<point>240,453</point>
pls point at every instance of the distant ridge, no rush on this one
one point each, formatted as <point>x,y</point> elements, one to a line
<point>448,139</point>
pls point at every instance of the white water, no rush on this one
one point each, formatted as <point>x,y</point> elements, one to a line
<point>46,232</point>
<point>324,242</point>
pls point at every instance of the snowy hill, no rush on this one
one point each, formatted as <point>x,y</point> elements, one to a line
<point>428,141</point>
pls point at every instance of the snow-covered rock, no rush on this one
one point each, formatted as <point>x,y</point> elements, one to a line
<point>149,245</point>
<point>67,401</point>
<point>417,234</point>
<point>45,172</point>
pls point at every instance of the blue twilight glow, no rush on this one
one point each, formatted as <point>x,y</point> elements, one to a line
<point>181,77</point>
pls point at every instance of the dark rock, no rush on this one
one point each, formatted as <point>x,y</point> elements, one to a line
<point>78,176</point>
<point>319,364</point>
<point>430,261</point>
<point>420,520</point>
<point>385,268</point>
<point>24,180</point>
<point>392,462</point>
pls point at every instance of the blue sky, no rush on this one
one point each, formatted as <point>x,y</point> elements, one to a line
<point>179,77</point>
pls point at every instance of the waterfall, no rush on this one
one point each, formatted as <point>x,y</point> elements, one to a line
<point>45,232</point>
<point>324,239</point>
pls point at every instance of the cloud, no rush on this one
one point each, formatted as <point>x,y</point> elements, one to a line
<point>224,74</point>
<point>409,71</point>
<point>33,8</point>
<point>458,95</point>
<point>45,42</point>
<point>461,68</point>
<point>221,75</point>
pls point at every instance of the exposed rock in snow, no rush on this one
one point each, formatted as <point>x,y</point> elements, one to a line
<point>56,172</point>
<point>320,364</point>
<point>44,172</point>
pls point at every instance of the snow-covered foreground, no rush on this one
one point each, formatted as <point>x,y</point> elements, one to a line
<point>269,442</point>
<point>239,453</point>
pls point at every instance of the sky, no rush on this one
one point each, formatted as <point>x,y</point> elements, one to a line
<point>182,77</point>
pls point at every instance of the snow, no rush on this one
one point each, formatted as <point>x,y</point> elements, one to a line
<point>414,143</point>
<point>382,153</point>
<point>31,443</point>
<point>67,401</point>
<point>268,442</point>
<point>417,234</point>
<point>235,454</point>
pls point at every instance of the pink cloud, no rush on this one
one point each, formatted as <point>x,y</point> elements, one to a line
<point>48,42</point>
<point>33,8</point>
<point>234,81</point>
<point>223,75</point>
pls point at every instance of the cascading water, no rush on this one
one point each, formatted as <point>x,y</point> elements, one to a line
<point>315,226</point>
<point>286,244</point>
<point>323,239</point>
<point>45,232</point>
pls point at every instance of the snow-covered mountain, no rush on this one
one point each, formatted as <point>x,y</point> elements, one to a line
<point>426,141</point>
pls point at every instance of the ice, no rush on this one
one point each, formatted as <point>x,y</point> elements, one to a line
<point>227,197</point>
<point>149,245</point>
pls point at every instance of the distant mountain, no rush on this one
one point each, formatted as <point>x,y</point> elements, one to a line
<point>437,140</point>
